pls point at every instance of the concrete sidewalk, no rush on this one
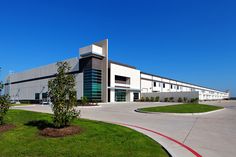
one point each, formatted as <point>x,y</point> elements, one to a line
<point>211,135</point>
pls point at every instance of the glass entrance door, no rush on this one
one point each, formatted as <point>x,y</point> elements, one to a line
<point>136,96</point>
<point>120,95</point>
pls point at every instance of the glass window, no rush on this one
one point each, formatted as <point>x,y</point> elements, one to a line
<point>36,96</point>
<point>93,84</point>
<point>122,79</point>
<point>44,95</point>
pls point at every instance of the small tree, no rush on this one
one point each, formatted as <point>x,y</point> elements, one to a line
<point>84,100</point>
<point>157,98</point>
<point>171,99</point>
<point>185,99</point>
<point>152,99</point>
<point>1,87</point>
<point>4,105</point>
<point>63,96</point>
<point>180,99</point>
<point>142,99</point>
<point>166,99</point>
<point>194,100</point>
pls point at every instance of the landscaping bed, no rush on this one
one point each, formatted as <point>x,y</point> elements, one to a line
<point>6,127</point>
<point>95,139</point>
<point>60,132</point>
<point>182,108</point>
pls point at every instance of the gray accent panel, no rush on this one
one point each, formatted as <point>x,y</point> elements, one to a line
<point>90,62</point>
<point>104,45</point>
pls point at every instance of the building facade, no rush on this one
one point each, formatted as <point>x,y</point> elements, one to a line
<point>103,80</point>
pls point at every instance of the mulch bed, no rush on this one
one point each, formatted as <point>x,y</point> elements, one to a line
<point>60,132</point>
<point>6,127</point>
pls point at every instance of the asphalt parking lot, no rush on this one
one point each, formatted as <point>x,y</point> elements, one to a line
<point>210,135</point>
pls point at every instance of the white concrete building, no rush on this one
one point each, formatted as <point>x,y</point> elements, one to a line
<point>153,85</point>
<point>103,80</point>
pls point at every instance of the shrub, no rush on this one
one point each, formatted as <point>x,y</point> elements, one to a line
<point>84,100</point>
<point>194,100</point>
<point>25,102</point>
<point>152,99</point>
<point>171,99</point>
<point>185,99</point>
<point>147,99</point>
<point>63,96</point>
<point>166,99</point>
<point>142,99</point>
<point>180,99</point>
<point>4,105</point>
<point>157,98</point>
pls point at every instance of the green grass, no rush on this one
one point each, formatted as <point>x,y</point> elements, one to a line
<point>20,104</point>
<point>182,108</point>
<point>98,139</point>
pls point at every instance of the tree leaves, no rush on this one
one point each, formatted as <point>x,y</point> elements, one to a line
<point>63,96</point>
<point>4,105</point>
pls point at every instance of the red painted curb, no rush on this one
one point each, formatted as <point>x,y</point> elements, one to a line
<point>167,137</point>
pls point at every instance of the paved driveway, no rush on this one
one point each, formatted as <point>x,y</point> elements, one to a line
<point>211,135</point>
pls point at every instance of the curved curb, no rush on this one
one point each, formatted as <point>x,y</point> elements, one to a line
<point>187,148</point>
<point>195,153</point>
<point>179,114</point>
<point>88,106</point>
<point>21,106</point>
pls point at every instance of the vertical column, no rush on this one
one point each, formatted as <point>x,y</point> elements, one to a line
<point>104,45</point>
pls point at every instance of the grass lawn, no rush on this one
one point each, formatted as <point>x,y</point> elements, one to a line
<point>98,139</point>
<point>20,104</point>
<point>182,108</point>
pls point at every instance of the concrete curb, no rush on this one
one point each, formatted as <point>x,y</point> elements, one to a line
<point>22,106</point>
<point>172,146</point>
<point>180,114</point>
<point>164,145</point>
<point>50,106</point>
<point>88,106</point>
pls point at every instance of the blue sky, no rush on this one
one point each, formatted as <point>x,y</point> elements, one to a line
<point>193,41</point>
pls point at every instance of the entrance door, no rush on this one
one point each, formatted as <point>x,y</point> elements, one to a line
<point>136,96</point>
<point>37,97</point>
<point>120,95</point>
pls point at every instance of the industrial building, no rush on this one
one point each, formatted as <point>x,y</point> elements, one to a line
<point>103,80</point>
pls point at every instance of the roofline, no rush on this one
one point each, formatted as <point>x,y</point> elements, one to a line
<point>40,66</point>
<point>181,81</point>
<point>118,63</point>
<point>40,78</point>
